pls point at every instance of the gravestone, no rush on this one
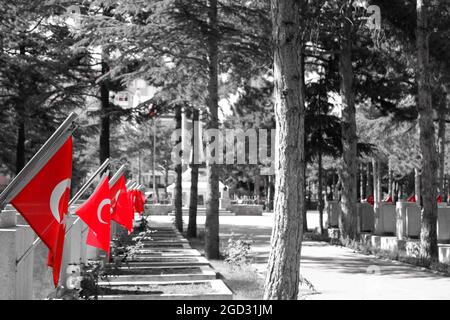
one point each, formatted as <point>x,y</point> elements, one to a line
<point>443,229</point>
<point>15,280</point>
<point>408,220</point>
<point>366,217</point>
<point>225,201</point>
<point>333,212</point>
<point>388,220</point>
<point>72,246</point>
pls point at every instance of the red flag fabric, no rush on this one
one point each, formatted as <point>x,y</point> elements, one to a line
<point>44,204</point>
<point>122,210</point>
<point>388,199</point>
<point>412,198</point>
<point>139,201</point>
<point>96,213</point>
<point>439,199</point>
<point>131,199</point>
<point>371,200</point>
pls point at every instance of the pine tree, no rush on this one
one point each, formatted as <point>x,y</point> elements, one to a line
<point>282,279</point>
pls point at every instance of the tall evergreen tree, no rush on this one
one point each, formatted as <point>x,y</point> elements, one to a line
<point>282,281</point>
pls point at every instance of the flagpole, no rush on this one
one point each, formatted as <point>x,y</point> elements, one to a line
<point>71,202</point>
<point>133,186</point>
<point>84,188</point>
<point>88,183</point>
<point>58,138</point>
<point>129,184</point>
<point>116,177</point>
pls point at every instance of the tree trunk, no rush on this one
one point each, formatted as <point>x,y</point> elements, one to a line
<point>307,202</point>
<point>335,193</point>
<point>178,183</point>
<point>441,135</point>
<point>283,271</point>
<point>379,187</point>
<point>212,196</point>
<point>417,186</point>
<point>270,195</point>
<point>192,225</point>
<point>363,182</point>
<point>105,117</point>
<point>348,218</point>
<point>369,186</point>
<point>428,236</point>
<point>166,181</point>
<point>20,147</point>
<point>321,202</point>
<point>391,182</point>
<point>376,180</point>
<point>257,187</point>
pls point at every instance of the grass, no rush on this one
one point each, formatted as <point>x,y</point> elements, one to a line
<point>245,282</point>
<point>396,255</point>
<point>156,289</point>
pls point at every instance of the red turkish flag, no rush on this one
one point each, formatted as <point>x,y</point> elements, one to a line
<point>96,213</point>
<point>44,204</point>
<point>412,198</point>
<point>439,199</point>
<point>371,200</point>
<point>139,201</point>
<point>122,210</point>
<point>132,199</point>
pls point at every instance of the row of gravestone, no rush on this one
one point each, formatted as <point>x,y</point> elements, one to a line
<point>402,219</point>
<point>394,227</point>
<point>31,278</point>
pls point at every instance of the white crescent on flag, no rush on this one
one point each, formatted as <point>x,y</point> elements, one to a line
<point>117,195</point>
<point>56,196</point>
<point>100,208</point>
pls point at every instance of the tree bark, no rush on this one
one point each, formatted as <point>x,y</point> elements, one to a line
<point>441,135</point>
<point>363,182</point>
<point>20,146</point>
<point>335,192</point>
<point>212,196</point>
<point>391,182</point>
<point>283,272</point>
<point>166,181</point>
<point>348,218</point>
<point>417,186</point>
<point>192,225</point>
<point>369,186</point>
<point>270,195</point>
<point>307,202</point>
<point>257,187</point>
<point>178,197</point>
<point>320,189</point>
<point>428,236</point>
<point>105,150</point>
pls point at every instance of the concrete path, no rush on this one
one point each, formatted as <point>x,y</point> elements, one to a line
<point>335,272</point>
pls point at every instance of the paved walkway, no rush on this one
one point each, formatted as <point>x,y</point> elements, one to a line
<point>339,273</point>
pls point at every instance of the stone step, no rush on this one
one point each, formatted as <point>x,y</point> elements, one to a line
<point>170,262</point>
<point>166,245</point>
<point>162,274</point>
<point>169,253</point>
<point>218,291</point>
<point>165,240</point>
<point>203,213</point>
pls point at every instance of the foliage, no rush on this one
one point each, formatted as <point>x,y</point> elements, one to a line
<point>237,253</point>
